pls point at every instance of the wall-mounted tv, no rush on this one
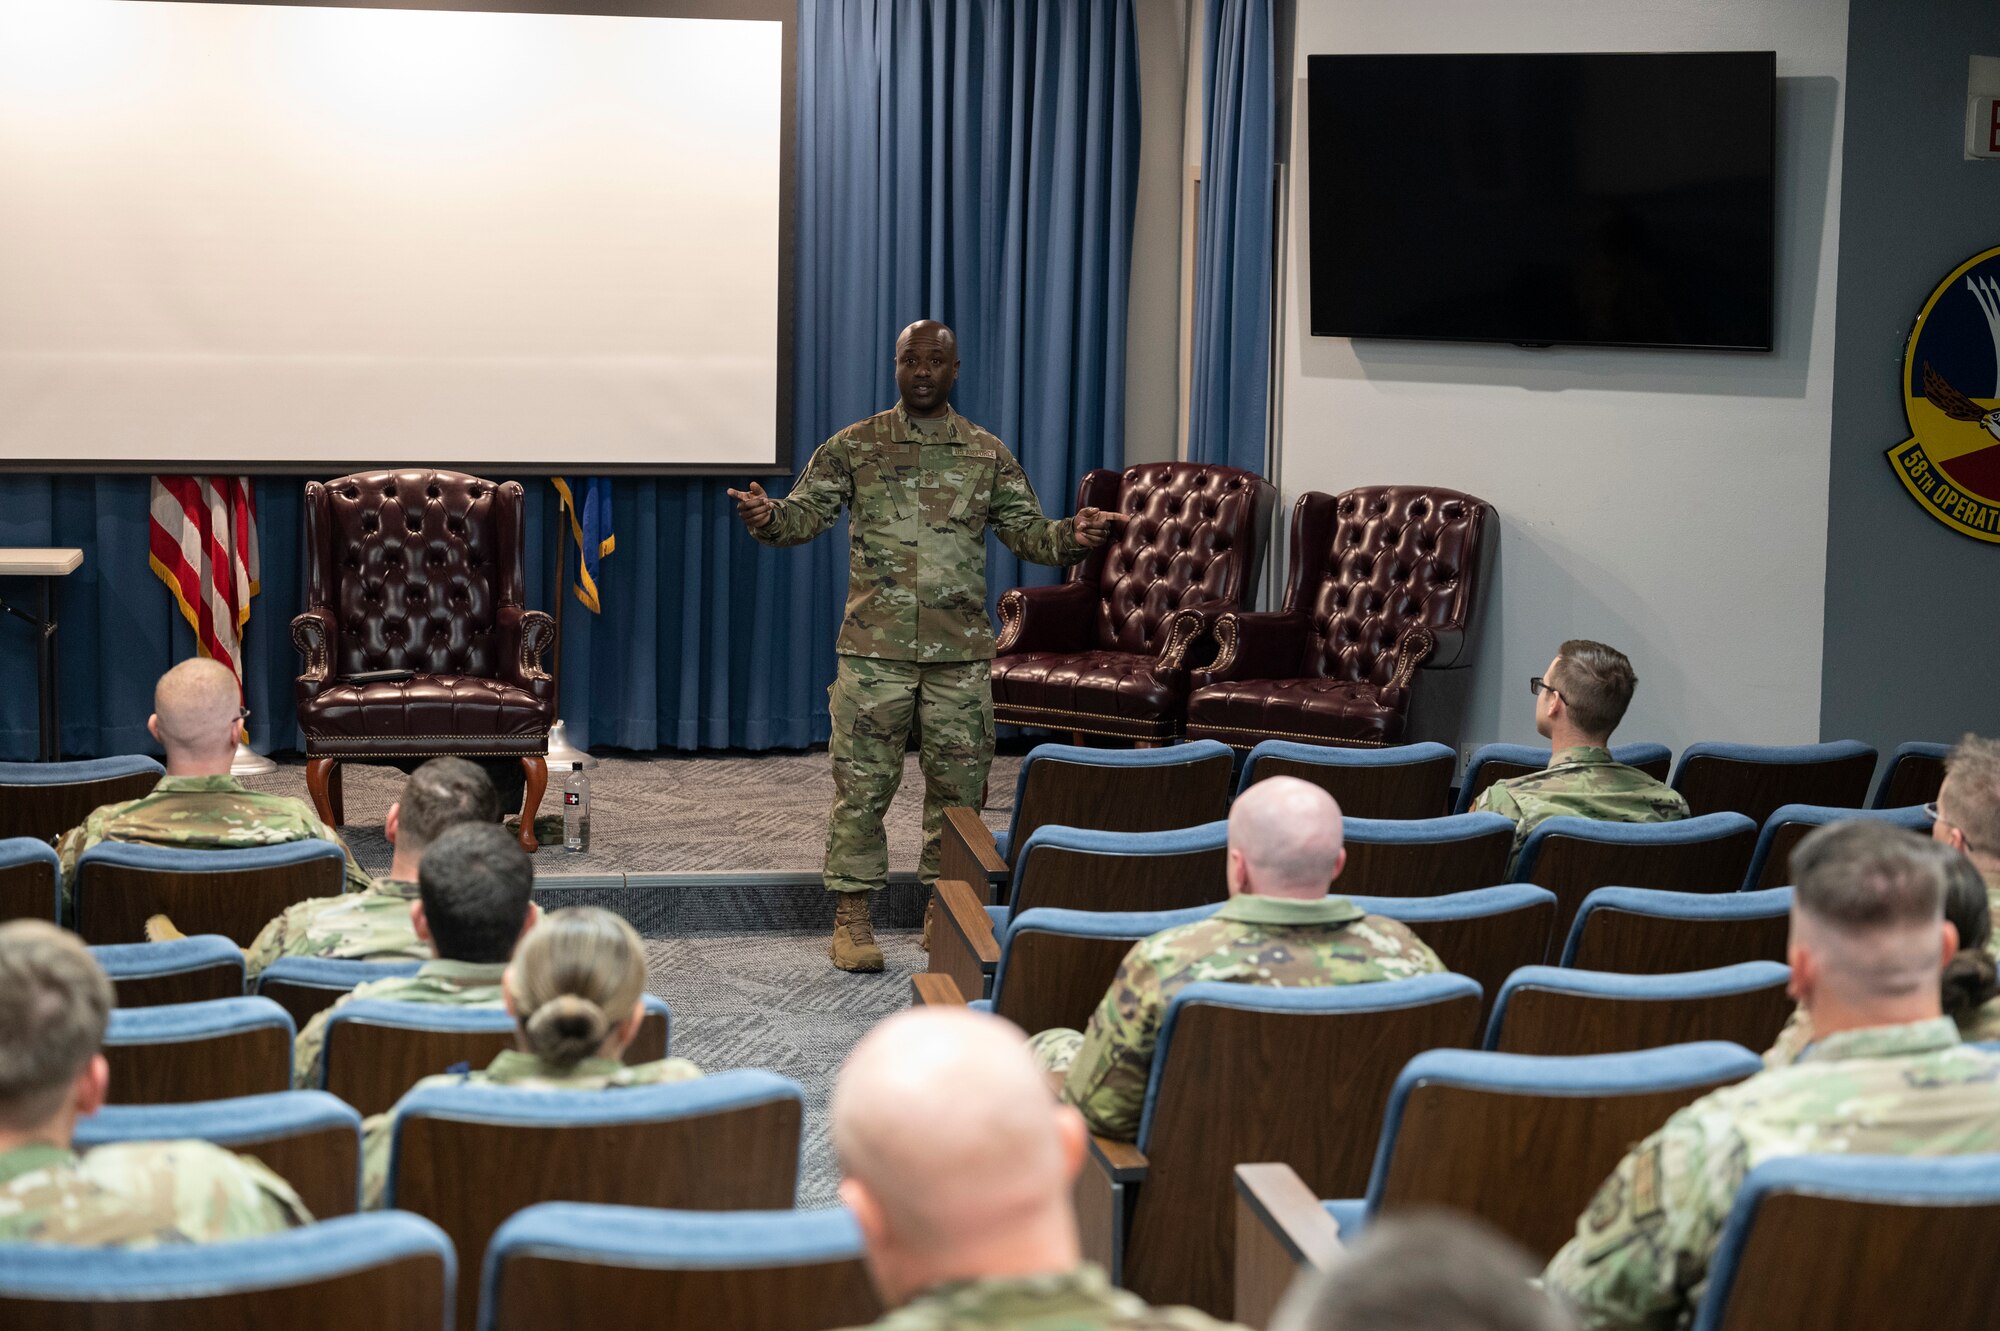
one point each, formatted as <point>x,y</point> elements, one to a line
<point>1597,199</point>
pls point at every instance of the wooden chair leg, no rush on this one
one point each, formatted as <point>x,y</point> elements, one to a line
<point>323,784</point>
<point>537,772</point>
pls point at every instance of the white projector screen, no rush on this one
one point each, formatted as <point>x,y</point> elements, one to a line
<point>244,237</point>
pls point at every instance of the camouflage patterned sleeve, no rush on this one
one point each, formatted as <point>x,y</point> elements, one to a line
<point>375,1139</point>
<point>1016,517</point>
<point>1644,1245</point>
<point>815,500</point>
<point>1496,798</point>
<point>1107,1082</point>
<point>307,1049</point>
<point>268,946</point>
<point>70,847</point>
<point>358,879</point>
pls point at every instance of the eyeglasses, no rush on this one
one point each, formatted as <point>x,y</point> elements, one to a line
<point>1538,684</point>
<point>243,714</point>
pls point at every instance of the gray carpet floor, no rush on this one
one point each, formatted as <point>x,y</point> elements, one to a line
<point>678,846</point>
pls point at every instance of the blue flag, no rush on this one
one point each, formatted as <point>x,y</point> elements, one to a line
<point>590,524</point>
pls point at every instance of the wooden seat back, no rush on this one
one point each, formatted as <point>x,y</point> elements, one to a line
<point>1548,1021</point>
<point>1240,1084</point>
<point>219,1067</point>
<point>1714,784</point>
<point>371,1064</point>
<point>1489,948</point>
<point>28,891</point>
<point>46,812</point>
<point>1057,980</point>
<point>1636,943</point>
<point>1399,790</point>
<point>1574,867</point>
<point>194,985</point>
<point>113,900</point>
<point>1104,798</point>
<point>541,1290</point>
<point>1082,880</point>
<point>1426,869</point>
<point>468,1177</point>
<point>1527,1164</point>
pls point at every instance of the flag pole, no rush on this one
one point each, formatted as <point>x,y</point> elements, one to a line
<point>561,752</point>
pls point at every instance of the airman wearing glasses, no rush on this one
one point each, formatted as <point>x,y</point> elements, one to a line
<point>197,717</point>
<point>1966,814</point>
<point>1579,701</point>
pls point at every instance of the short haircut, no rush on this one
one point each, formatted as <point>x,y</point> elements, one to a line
<point>54,1003</point>
<point>1596,684</point>
<point>440,795</point>
<point>476,884</point>
<point>1423,1271</point>
<point>1864,875</point>
<point>1973,770</point>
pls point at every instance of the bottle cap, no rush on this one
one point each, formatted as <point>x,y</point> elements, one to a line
<point>576,767</point>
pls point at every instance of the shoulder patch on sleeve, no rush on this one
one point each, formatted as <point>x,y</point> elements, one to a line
<point>1646,1204</point>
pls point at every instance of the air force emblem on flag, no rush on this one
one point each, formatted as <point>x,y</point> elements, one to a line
<point>1951,387</point>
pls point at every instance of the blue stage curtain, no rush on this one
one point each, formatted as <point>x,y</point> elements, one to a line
<point>974,161</point>
<point>1229,399</point>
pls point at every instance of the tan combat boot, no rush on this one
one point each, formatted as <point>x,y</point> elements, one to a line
<point>160,929</point>
<point>853,947</point>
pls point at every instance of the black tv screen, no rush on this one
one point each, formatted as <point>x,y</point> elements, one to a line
<point>1601,199</point>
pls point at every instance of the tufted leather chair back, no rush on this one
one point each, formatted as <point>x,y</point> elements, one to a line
<point>1369,564</point>
<point>1193,534</point>
<point>414,566</point>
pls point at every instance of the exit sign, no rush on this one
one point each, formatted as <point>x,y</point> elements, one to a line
<point>1982,127</point>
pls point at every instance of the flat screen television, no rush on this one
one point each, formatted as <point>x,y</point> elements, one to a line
<point>1595,199</point>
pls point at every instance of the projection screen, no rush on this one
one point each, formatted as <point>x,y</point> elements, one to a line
<point>239,237</point>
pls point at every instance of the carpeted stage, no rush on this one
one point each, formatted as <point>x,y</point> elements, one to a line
<point>715,860</point>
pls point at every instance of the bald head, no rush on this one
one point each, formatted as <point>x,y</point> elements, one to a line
<point>194,709</point>
<point>949,1138</point>
<point>928,330</point>
<point>1285,839</point>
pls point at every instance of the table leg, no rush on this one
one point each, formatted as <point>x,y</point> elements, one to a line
<point>48,682</point>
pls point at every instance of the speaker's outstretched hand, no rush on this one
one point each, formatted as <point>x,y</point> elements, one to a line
<point>754,506</point>
<point>1093,526</point>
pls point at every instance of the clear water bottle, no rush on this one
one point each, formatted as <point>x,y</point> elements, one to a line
<point>576,810</point>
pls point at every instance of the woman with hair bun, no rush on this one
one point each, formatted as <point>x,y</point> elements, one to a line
<point>1971,979</point>
<point>573,988</point>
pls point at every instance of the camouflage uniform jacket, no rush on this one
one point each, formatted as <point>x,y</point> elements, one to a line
<point>1251,940</point>
<point>203,813</point>
<point>359,926</point>
<point>453,983</point>
<point>140,1194</point>
<point>1079,1300</point>
<point>1978,1025</point>
<point>1993,905</point>
<point>1581,783</point>
<point>916,582</point>
<point>511,1067</point>
<point>1641,1253</point>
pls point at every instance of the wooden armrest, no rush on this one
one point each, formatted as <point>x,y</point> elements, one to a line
<point>1282,1202</point>
<point>1121,1161</point>
<point>976,838</point>
<point>964,912</point>
<point>935,990</point>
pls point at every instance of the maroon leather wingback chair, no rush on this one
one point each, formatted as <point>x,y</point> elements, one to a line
<point>1107,652</point>
<point>1384,579</point>
<point>420,571</point>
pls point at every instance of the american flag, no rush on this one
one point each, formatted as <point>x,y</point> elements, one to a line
<point>204,547</point>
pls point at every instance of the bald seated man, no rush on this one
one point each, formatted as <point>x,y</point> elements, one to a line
<point>198,805</point>
<point>1280,928</point>
<point>958,1167</point>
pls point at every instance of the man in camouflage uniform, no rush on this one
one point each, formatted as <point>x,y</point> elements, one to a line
<point>1966,816</point>
<point>376,925</point>
<point>1578,703</point>
<point>475,901</point>
<point>1886,1074</point>
<point>921,484</point>
<point>197,804</point>
<point>1280,929</point>
<point>54,1004</point>
<point>968,1222</point>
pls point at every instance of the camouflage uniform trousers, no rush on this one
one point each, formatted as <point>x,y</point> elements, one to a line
<point>873,703</point>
